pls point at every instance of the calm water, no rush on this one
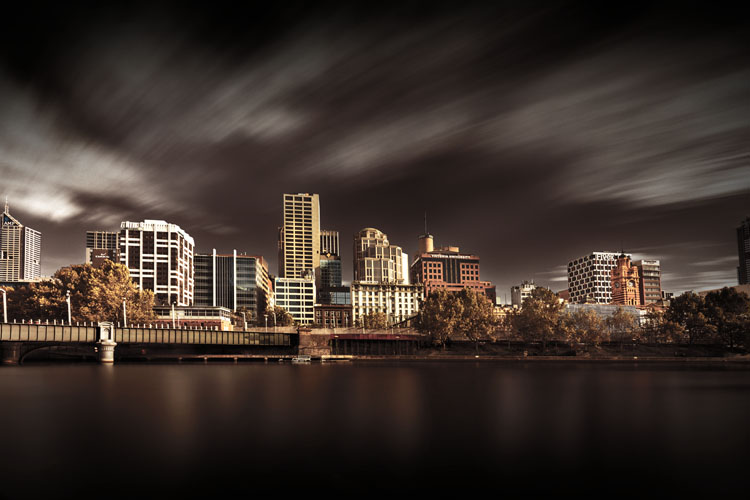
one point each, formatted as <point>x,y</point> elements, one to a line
<point>155,430</point>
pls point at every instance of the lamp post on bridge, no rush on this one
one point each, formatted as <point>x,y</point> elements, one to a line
<point>5,305</point>
<point>266,316</point>
<point>67,299</point>
<point>244,320</point>
<point>124,313</point>
<point>174,318</point>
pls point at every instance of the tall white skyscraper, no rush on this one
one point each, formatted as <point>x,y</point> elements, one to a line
<point>299,237</point>
<point>160,258</point>
<point>20,250</point>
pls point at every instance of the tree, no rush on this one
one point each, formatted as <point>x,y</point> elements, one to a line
<point>283,318</point>
<point>96,294</point>
<point>689,311</point>
<point>621,326</point>
<point>374,321</point>
<point>477,320</point>
<point>440,316</point>
<point>583,326</point>
<point>729,312</point>
<point>540,317</point>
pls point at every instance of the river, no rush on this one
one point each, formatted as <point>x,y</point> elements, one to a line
<point>565,428</point>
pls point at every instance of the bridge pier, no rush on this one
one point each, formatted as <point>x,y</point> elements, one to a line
<point>106,344</point>
<point>10,352</point>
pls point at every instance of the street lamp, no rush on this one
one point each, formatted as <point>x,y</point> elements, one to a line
<point>266,316</point>
<point>67,299</point>
<point>5,305</point>
<point>274,321</point>
<point>124,314</point>
<point>244,320</point>
<point>174,319</point>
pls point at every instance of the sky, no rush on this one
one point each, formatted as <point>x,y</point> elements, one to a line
<point>529,135</point>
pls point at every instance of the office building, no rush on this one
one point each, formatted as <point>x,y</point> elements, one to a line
<point>235,281</point>
<point>626,283</point>
<point>398,301</point>
<point>159,256</point>
<point>20,250</point>
<point>297,297</point>
<point>330,271</point>
<point>340,295</point>
<point>590,278</point>
<point>299,237</point>
<point>448,269</point>
<point>743,252</point>
<point>650,287</point>
<point>102,246</point>
<point>375,259</point>
<point>521,292</point>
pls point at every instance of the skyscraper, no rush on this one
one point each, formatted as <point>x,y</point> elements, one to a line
<point>20,250</point>
<point>159,256</point>
<point>299,237</point>
<point>101,245</point>
<point>375,259</point>
<point>589,278</point>
<point>743,252</point>
<point>650,273</point>
<point>233,281</point>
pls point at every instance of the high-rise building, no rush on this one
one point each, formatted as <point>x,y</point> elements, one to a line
<point>20,250</point>
<point>590,279</point>
<point>329,243</point>
<point>521,292</point>
<point>375,259</point>
<point>159,256</point>
<point>743,252</point>
<point>448,269</point>
<point>650,288</point>
<point>330,271</point>
<point>235,281</point>
<point>101,246</point>
<point>297,297</point>
<point>299,237</point>
<point>626,282</point>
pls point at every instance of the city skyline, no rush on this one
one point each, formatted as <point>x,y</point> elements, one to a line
<point>528,142</point>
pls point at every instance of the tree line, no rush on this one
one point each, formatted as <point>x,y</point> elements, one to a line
<point>721,317</point>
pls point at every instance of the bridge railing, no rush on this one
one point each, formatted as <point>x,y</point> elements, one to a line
<point>179,336</point>
<point>20,332</point>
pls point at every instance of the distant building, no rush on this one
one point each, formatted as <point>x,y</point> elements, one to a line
<point>743,251</point>
<point>297,297</point>
<point>333,316</point>
<point>159,256</point>
<point>521,292</point>
<point>299,237</point>
<point>20,250</point>
<point>626,283</point>
<point>398,301</point>
<point>210,318</point>
<point>234,281</point>
<point>650,284</point>
<point>604,311</point>
<point>564,294</point>
<point>102,246</point>
<point>590,279</point>
<point>329,243</point>
<point>340,295</point>
<point>375,259</point>
<point>448,269</point>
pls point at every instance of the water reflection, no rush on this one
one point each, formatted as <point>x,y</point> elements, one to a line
<point>535,428</point>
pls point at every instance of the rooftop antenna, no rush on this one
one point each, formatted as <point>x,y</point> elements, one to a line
<point>6,203</point>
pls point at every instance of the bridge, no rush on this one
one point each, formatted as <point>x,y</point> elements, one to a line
<point>17,340</point>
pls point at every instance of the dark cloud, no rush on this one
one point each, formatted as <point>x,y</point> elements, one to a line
<point>530,136</point>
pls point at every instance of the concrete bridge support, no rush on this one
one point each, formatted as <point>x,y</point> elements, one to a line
<point>10,352</point>
<point>106,344</point>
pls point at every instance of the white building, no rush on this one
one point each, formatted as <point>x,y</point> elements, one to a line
<point>398,301</point>
<point>521,292</point>
<point>20,250</point>
<point>376,260</point>
<point>590,278</point>
<point>159,256</point>
<point>297,297</point>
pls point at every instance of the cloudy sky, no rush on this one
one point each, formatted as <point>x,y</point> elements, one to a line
<point>529,136</point>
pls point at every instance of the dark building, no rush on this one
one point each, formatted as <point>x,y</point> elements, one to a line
<point>330,271</point>
<point>340,295</point>
<point>102,246</point>
<point>743,251</point>
<point>234,281</point>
